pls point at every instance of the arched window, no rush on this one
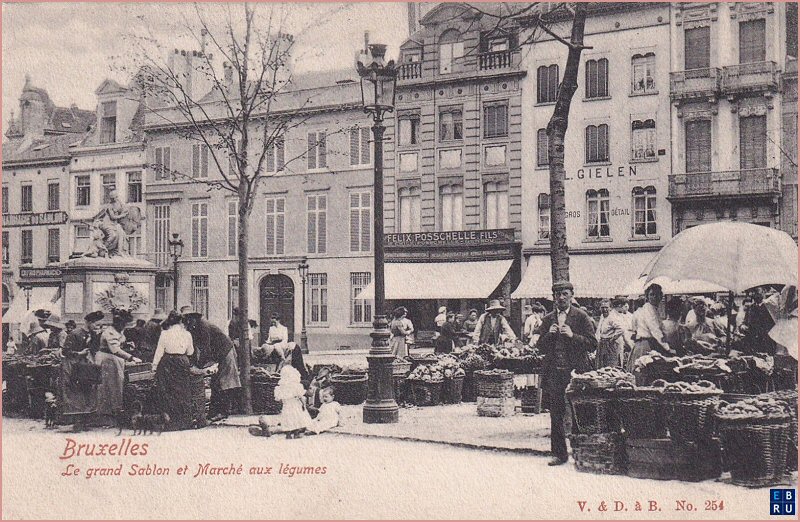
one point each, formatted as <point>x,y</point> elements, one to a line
<point>546,83</point>
<point>596,143</point>
<point>644,211</point>
<point>408,206</point>
<point>543,208</point>
<point>643,73</point>
<point>495,204</point>
<point>598,207</point>
<point>597,78</point>
<point>643,139</point>
<point>451,204</point>
<point>451,48</point>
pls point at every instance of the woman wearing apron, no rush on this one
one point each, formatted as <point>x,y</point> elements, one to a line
<point>111,358</point>
<point>649,332</point>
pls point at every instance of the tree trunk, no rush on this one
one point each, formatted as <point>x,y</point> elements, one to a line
<point>244,313</point>
<point>556,130</point>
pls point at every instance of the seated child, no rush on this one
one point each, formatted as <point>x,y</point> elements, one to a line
<point>328,417</point>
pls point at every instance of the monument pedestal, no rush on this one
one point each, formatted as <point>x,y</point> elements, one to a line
<point>91,283</point>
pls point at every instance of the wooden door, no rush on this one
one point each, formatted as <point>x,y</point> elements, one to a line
<point>276,296</point>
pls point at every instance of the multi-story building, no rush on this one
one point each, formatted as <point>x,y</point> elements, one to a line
<point>36,160</point>
<point>728,113</point>
<point>315,204</point>
<point>453,180</point>
<point>617,157</point>
<point>789,210</point>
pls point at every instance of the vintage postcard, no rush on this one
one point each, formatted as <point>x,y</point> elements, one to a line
<point>397,260</point>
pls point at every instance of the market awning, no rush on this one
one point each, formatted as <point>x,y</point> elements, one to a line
<point>593,275</point>
<point>455,280</point>
<point>41,297</point>
<point>683,286</point>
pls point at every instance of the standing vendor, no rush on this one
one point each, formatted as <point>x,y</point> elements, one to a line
<point>492,327</point>
<point>78,386</point>
<point>112,358</point>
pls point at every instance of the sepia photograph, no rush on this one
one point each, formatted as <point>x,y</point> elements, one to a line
<point>399,260</point>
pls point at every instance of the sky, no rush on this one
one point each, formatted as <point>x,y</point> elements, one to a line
<point>70,48</point>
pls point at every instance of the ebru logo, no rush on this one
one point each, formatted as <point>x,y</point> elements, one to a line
<point>781,502</point>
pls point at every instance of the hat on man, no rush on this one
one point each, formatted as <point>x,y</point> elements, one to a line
<point>562,285</point>
<point>188,311</point>
<point>158,315</point>
<point>70,324</point>
<point>494,304</point>
<point>93,317</point>
<point>41,313</point>
<point>442,309</point>
<point>54,321</point>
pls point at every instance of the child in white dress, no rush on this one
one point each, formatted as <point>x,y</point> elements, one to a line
<point>294,418</point>
<point>328,417</point>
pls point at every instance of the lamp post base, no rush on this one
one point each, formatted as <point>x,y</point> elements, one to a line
<point>380,407</point>
<point>304,341</point>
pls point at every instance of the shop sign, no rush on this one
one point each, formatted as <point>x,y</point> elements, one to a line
<point>461,238</point>
<point>612,212</point>
<point>621,171</point>
<point>29,219</point>
<point>40,273</point>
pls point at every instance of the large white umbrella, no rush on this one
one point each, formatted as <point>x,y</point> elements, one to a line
<point>735,256</point>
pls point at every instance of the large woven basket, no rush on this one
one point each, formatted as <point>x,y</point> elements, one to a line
<point>755,450</point>
<point>350,388</point>
<point>602,453</point>
<point>594,412</point>
<point>469,388</point>
<point>494,385</point>
<point>641,413</point>
<point>426,393</point>
<point>690,416</point>
<point>496,406</point>
<point>451,390</point>
<point>263,395</point>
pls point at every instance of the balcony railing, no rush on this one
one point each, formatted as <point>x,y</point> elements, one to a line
<point>695,83</point>
<point>749,182</point>
<point>410,71</point>
<point>495,60</point>
<point>750,77</point>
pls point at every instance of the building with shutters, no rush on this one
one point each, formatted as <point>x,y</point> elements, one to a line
<point>315,204</point>
<point>729,119</point>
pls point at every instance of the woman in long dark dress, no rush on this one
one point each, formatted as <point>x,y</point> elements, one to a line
<point>173,376</point>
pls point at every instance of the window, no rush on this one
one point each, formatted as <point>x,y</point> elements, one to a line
<point>6,256</point>
<point>411,57</point>
<point>360,221</point>
<point>26,251</point>
<point>753,142</point>
<point>163,285</point>
<point>643,139</point>
<point>317,213</point>
<point>597,212</point>
<point>644,211</point>
<point>546,84</point>
<point>108,123</point>
<point>318,298</point>
<point>161,227</point>
<point>542,152</point>
<point>134,187</point>
<point>597,78</point>
<point>275,225</point>
<point>276,151</point>
<point>162,163</point>
<point>83,191</point>
<point>200,294</point>
<point>543,202</point>
<point>53,245</point>
<point>791,29</point>
<point>317,150</point>
<point>698,146</point>
<point>643,71</point>
<point>199,229</point>
<point>26,198</point>
<point>495,197</point>
<point>233,294</point>
<point>495,120</point>
<point>451,199</point>
<point>53,196</point>
<point>450,50</point>
<point>199,160</point>
<point>81,243</point>
<point>135,243</point>
<point>408,129</point>
<point>359,146</point>
<point>109,184</point>
<point>5,200</point>
<point>233,228</point>
<point>596,143</point>
<point>752,41</point>
<point>451,126</point>
<point>697,48</point>
<point>409,207</point>
<point>360,309</point>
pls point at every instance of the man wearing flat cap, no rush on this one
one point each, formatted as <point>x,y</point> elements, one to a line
<point>566,337</point>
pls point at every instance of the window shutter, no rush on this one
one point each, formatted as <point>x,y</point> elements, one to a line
<point>195,161</point>
<point>365,146</point>
<point>602,73</point>
<point>698,146</point>
<point>322,225</point>
<point>553,82</point>
<point>752,41</point>
<point>541,147</point>
<point>354,149</point>
<point>167,159</point>
<point>279,231</point>
<point>312,150</point>
<point>590,74</point>
<point>270,233</point>
<point>697,48</point>
<point>602,138</point>
<point>323,150</point>
<point>354,221</point>
<point>541,84</point>
<point>503,120</point>
<point>204,158</point>
<point>271,157</point>
<point>365,224</point>
<point>753,142</point>
<point>159,163</point>
<point>204,231</point>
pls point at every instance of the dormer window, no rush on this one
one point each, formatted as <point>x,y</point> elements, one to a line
<point>108,122</point>
<point>411,56</point>
<point>451,48</point>
<point>498,44</point>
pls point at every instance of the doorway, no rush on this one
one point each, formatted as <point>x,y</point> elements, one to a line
<point>276,297</point>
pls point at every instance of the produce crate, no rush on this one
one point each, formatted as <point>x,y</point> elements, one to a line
<point>494,385</point>
<point>602,453</point>
<point>755,449</point>
<point>663,459</point>
<point>263,395</point>
<point>350,388</point>
<point>531,400</point>
<point>690,416</point>
<point>426,393</point>
<point>594,412</point>
<point>496,406</point>
<point>451,390</point>
<point>641,413</point>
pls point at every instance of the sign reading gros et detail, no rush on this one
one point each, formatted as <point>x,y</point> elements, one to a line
<point>454,238</point>
<point>31,219</point>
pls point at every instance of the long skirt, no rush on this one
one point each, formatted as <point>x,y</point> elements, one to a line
<point>174,390</point>
<point>227,377</point>
<point>76,398</point>
<point>109,392</point>
<point>398,346</point>
<point>640,347</point>
<point>609,353</point>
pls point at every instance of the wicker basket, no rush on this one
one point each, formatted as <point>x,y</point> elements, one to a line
<point>531,400</point>
<point>494,385</point>
<point>641,413</point>
<point>602,453</point>
<point>690,416</point>
<point>496,406</point>
<point>426,393</point>
<point>451,390</point>
<point>350,388</point>
<point>662,459</point>
<point>469,389</point>
<point>755,450</point>
<point>594,412</point>
<point>263,395</point>
<point>400,367</point>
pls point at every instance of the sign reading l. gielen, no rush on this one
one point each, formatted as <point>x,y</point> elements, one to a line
<point>454,238</point>
<point>31,219</point>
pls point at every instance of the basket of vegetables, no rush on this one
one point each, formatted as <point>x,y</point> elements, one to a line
<point>689,409</point>
<point>755,435</point>
<point>471,363</point>
<point>639,411</point>
<point>426,382</point>
<point>263,383</point>
<point>593,401</point>
<point>790,398</point>
<point>350,388</point>
<point>453,379</point>
<point>495,383</point>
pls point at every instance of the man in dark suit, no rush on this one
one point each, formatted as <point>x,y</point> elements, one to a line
<point>566,338</point>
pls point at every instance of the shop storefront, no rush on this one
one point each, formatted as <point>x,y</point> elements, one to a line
<point>37,287</point>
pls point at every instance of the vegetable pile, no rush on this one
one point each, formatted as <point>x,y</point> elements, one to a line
<point>699,387</point>
<point>753,408</point>
<point>602,379</point>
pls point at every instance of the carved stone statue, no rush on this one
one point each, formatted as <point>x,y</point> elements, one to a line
<point>111,227</point>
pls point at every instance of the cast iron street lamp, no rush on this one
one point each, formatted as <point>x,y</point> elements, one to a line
<point>378,81</point>
<point>27,289</point>
<point>175,251</point>
<point>303,269</point>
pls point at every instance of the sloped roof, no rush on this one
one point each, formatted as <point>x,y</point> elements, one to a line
<point>47,148</point>
<point>70,119</point>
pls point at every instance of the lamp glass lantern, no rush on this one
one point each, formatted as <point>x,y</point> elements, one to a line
<point>175,246</point>
<point>378,81</point>
<point>303,269</point>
